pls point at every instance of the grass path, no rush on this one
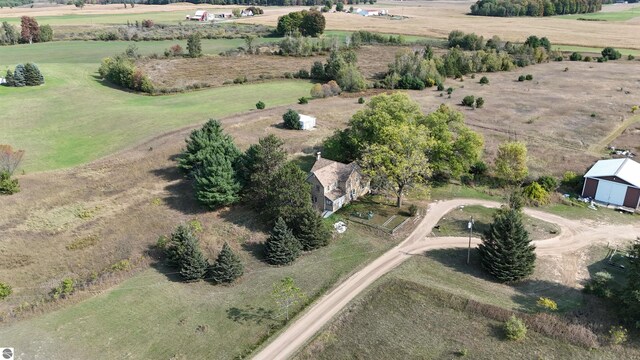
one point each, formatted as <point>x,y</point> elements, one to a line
<point>598,147</point>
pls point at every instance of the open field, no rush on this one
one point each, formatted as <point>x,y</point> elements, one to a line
<point>402,314</point>
<point>617,12</point>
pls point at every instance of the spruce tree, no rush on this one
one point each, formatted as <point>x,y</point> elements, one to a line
<point>227,266</point>
<point>258,167</point>
<point>32,75</point>
<point>202,141</point>
<point>288,194</point>
<point>19,79</point>
<point>506,251</point>
<point>310,230</point>
<point>9,78</point>
<point>215,181</point>
<point>193,265</point>
<point>282,247</point>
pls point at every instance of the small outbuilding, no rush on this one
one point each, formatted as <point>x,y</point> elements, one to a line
<point>614,182</point>
<point>307,122</point>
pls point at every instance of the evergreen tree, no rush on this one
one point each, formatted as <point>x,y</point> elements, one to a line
<point>631,292</point>
<point>19,79</point>
<point>227,266</point>
<point>309,229</point>
<point>288,194</point>
<point>259,165</point>
<point>282,247</point>
<point>506,251</point>
<point>9,78</point>
<point>215,181</point>
<point>32,75</point>
<point>193,265</point>
<point>209,138</point>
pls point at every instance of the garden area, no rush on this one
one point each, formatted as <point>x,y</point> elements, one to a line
<point>376,212</point>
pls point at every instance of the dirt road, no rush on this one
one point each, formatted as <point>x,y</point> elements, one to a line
<point>573,235</point>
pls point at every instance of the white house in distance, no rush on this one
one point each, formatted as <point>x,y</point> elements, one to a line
<point>200,15</point>
<point>307,122</point>
<point>614,182</point>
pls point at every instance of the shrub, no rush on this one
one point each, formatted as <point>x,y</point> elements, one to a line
<point>587,58</point>
<point>618,335</point>
<point>548,183</point>
<point>469,101</point>
<point>575,56</point>
<point>547,304</point>
<point>630,57</point>
<point>479,102</point>
<point>521,78</point>
<point>66,288</point>
<point>316,91</point>
<point>634,108</point>
<point>121,265</point>
<point>5,290</point>
<point>8,185</point>
<point>440,87</point>
<point>303,100</point>
<point>240,80</point>
<point>413,209</point>
<point>147,23</point>
<point>536,194</point>
<point>83,242</point>
<point>610,53</point>
<point>361,101</point>
<point>484,80</point>
<point>176,50</point>
<point>303,74</point>
<point>571,180</point>
<point>162,242</point>
<point>449,91</point>
<point>292,120</point>
<point>515,329</point>
<point>529,77</point>
<point>260,105</point>
<point>599,285</point>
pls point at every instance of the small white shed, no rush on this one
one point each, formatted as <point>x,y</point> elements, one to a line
<point>307,122</point>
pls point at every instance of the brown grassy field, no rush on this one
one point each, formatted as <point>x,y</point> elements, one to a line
<point>438,18</point>
<point>215,70</point>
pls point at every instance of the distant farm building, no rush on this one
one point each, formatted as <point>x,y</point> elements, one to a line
<point>200,15</point>
<point>307,122</point>
<point>370,12</point>
<point>614,182</point>
<point>334,184</point>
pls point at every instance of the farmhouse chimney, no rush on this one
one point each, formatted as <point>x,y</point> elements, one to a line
<point>318,155</point>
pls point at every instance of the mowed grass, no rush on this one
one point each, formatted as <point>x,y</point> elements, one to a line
<point>152,317</point>
<point>75,118</point>
<point>622,15</point>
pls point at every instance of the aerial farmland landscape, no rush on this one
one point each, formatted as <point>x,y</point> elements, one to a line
<point>318,179</point>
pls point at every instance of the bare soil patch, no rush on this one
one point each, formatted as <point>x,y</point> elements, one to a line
<point>216,70</point>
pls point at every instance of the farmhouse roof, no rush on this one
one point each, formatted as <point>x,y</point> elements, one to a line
<point>328,171</point>
<point>625,169</point>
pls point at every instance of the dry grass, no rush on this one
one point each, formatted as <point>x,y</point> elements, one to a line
<point>216,70</point>
<point>438,18</point>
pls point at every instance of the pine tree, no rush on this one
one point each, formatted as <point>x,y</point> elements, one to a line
<point>227,266</point>
<point>310,230</point>
<point>193,265</point>
<point>32,75</point>
<point>631,292</point>
<point>288,194</point>
<point>282,247</point>
<point>258,167</point>
<point>506,251</point>
<point>215,181</point>
<point>19,79</point>
<point>9,78</point>
<point>202,141</point>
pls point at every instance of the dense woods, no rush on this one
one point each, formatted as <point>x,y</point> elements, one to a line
<point>506,8</point>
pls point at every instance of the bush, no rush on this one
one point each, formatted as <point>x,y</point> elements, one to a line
<point>610,53</point>
<point>536,194</point>
<point>260,105</point>
<point>529,77</point>
<point>8,185</point>
<point>630,57</point>
<point>361,100</point>
<point>575,56</point>
<point>66,288</point>
<point>240,80</point>
<point>515,329</point>
<point>599,285</point>
<point>618,335</point>
<point>588,58</point>
<point>440,87</point>
<point>121,265</point>
<point>547,304</point>
<point>484,80</point>
<point>449,91</point>
<point>479,102</point>
<point>413,209</point>
<point>469,101</point>
<point>548,183</point>
<point>521,78</point>
<point>5,290</point>
<point>303,74</point>
<point>316,91</point>
<point>303,100</point>
<point>292,120</point>
<point>571,180</point>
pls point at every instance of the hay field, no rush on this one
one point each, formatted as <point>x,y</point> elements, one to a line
<point>438,18</point>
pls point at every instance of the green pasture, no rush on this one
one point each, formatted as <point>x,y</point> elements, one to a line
<point>622,15</point>
<point>151,316</point>
<point>75,118</point>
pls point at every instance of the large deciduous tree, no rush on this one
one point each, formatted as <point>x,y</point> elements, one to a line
<point>282,248</point>
<point>194,45</point>
<point>400,160</point>
<point>511,162</point>
<point>30,30</point>
<point>9,35</point>
<point>506,251</point>
<point>313,23</point>
<point>227,267</point>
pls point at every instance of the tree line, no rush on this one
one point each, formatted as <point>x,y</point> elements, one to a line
<point>507,8</point>
<point>30,32</point>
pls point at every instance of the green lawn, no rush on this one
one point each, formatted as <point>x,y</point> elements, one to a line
<point>152,317</point>
<point>622,15</point>
<point>74,118</point>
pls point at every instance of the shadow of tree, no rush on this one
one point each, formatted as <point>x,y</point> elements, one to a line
<point>256,249</point>
<point>250,314</point>
<point>181,195</point>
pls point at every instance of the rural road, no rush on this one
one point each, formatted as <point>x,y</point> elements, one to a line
<point>573,235</point>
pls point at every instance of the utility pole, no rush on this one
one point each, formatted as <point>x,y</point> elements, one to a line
<point>470,226</point>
